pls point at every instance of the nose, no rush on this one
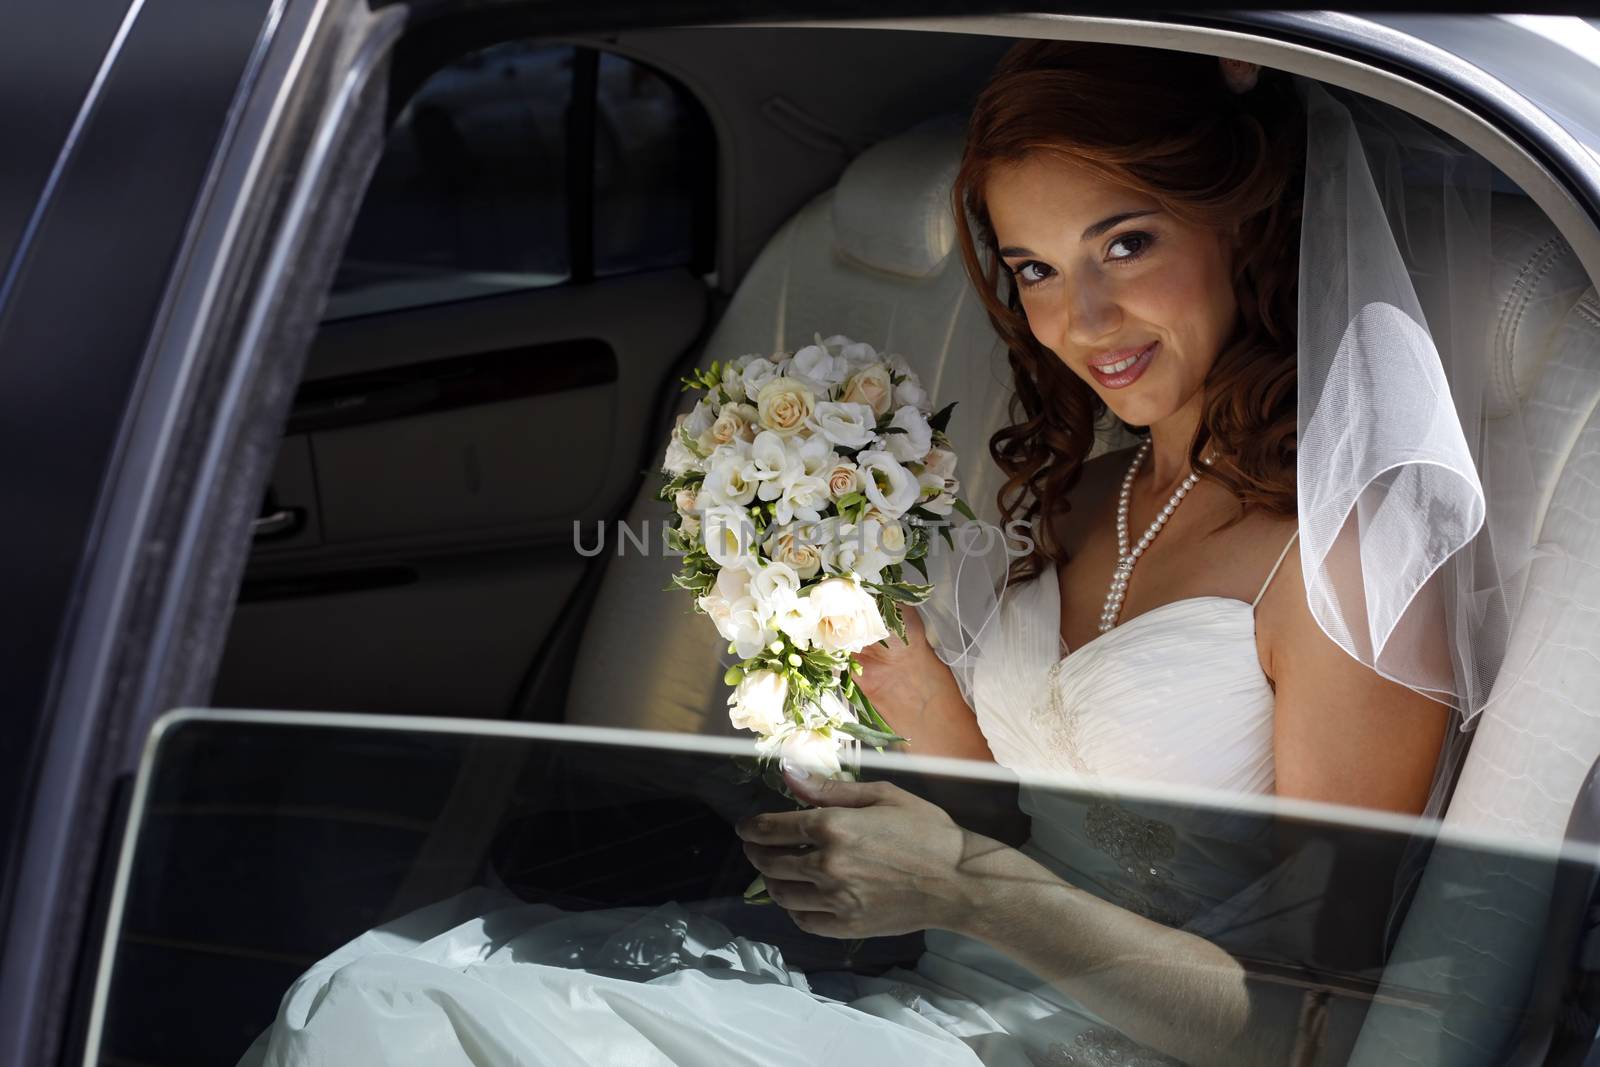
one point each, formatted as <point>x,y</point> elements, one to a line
<point>1089,314</point>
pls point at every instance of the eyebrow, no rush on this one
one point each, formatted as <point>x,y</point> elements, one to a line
<point>1088,235</point>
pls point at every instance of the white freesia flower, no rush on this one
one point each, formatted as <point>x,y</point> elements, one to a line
<point>910,391</point>
<point>758,702</point>
<point>870,386</point>
<point>885,536</point>
<point>784,404</point>
<point>911,446</point>
<point>829,709</point>
<point>700,418</point>
<point>770,582</point>
<point>729,534</point>
<point>856,354</point>
<point>796,618</point>
<point>845,425</point>
<point>892,489</point>
<point>773,464</point>
<point>732,478</point>
<point>748,627</point>
<point>756,373</point>
<point>938,494</point>
<point>810,751</point>
<point>855,552</point>
<point>899,366</point>
<point>733,377</point>
<point>847,616</point>
<point>817,367</point>
<point>803,499</point>
<point>679,460</point>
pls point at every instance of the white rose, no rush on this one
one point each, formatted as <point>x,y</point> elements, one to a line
<point>911,446</point>
<point>784,405</point>
<point>758,702</point>
<point>847,617</point>
<point>843,479</point>
<point>817,367</point>
<point>757,374</point>
<point>730,532</point>
<point>811,752</point>
<point>788,544</point>
<point>846,425</point>
<point>684,500</point>
<point>736,422</point>
<point>910,391</point>
<point>870,386</point>
<point>892,489</point>
<point>796,619</point>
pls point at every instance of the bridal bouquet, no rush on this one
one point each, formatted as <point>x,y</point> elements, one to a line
<point>804,485</point>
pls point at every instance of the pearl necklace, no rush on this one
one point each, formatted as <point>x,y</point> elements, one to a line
<point>1127,556</point>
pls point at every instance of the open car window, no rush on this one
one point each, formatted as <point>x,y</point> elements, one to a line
<point>304,884</point>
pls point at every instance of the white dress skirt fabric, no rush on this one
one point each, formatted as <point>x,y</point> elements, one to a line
<point>1176,695</point>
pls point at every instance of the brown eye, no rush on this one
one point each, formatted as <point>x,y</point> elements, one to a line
<point>1134,244</point>
<point>1031,273</point>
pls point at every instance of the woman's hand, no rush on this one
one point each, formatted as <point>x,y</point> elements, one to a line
<point>918,696</point>
<point>870,860</point>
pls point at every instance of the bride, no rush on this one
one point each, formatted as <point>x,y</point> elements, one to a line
<point>1161,627</point>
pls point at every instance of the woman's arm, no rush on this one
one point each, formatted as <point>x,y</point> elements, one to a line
<point>873,860</point>
<point>1341,733</point>
<point>918,695</point>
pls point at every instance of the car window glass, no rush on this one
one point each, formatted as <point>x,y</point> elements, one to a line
<point>525,166</point>
<point>305,868</point>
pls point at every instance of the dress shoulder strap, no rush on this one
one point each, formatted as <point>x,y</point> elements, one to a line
<point>1273,573</point>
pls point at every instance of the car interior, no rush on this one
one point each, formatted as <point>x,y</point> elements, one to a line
<point>557,231</point>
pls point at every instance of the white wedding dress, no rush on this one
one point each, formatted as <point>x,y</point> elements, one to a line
<point>1176,695</point>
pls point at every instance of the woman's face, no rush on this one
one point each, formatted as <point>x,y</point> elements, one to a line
<point>1135,302</point>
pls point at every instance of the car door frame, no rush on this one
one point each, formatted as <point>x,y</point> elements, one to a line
<point>171,534</point>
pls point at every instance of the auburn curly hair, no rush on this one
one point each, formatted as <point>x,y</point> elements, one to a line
<point>1166,125</point>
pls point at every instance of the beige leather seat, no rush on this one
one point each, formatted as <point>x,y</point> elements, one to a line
<point>875,259</point>
<point>1473,934</point>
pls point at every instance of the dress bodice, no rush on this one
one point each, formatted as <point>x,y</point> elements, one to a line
<point>1174,695</point>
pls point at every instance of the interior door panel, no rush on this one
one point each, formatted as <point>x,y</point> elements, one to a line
<point>416,545</point>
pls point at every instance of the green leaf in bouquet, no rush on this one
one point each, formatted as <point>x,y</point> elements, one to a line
<point>757,892</point>
<point>892,429</point>
<point>941,418</point>
<point>869,736</point>
<point>965,510</point>
<point>944,532</point>
<point>916,561</point>
<point>892,618</point>
<point>904,592</point>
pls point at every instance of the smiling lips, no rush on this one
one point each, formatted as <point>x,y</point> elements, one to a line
<point>1117,370</point>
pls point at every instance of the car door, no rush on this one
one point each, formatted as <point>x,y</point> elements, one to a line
<point>524,274</point>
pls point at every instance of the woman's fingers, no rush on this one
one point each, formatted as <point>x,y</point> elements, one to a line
<point>782,862</point>
<point>795,896</point>
<point>780,828</point>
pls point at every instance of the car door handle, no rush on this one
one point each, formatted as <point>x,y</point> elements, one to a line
<point>279,522</point>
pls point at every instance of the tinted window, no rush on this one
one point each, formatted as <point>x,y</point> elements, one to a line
<point>528,165</point>
<point>263,846</point>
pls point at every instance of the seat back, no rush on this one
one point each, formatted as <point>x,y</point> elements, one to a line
<point>874,259</point>
<point>1473,932</point>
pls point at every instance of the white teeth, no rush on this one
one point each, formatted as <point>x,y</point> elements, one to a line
<point>1120,365</point>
